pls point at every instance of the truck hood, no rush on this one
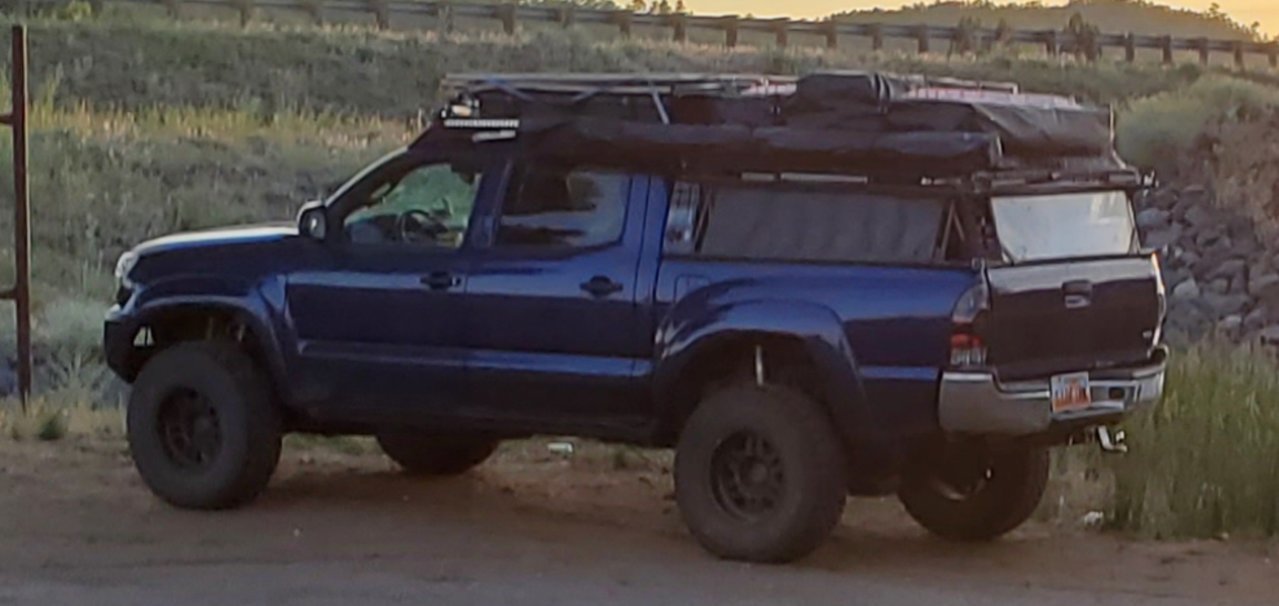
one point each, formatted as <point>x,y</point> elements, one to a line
<point>248,234</point>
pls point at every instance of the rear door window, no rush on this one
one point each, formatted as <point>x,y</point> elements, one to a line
<point>551,207</point>
<point>784,221</point>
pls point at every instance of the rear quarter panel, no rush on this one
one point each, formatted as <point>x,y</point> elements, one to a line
<point>894,320</point>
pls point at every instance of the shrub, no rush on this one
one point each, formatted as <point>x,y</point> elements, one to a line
<point>1205,462</point>
<point>1159,131</point>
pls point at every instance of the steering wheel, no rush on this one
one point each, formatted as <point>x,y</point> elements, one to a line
<point>419,226</point>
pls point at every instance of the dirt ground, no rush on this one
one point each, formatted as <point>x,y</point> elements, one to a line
<point>339,525</point>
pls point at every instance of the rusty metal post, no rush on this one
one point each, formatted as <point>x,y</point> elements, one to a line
<point>21,291</point>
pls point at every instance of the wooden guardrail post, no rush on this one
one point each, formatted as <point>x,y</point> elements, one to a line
<point>1130,48</point>
<point>314,9</point>
<point>1052,43</point>
<point>173,8</point>
<point>1165,43</point>
<point>876,37</point>
<point>830,28</point>
<point>679,27</point>
<point>623,21</point>
<point>506,14</point>
<point>566,15</point>
<point>1202,43</point>
<point>781,30</point>
<point>444,16</point>
<point>1272,52</point>
<point>730,23</point>
<point>1240,63</point>
<point>923,38</point>
<point>245,9</point>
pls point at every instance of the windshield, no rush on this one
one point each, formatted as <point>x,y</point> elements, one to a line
<point>1063,226</point>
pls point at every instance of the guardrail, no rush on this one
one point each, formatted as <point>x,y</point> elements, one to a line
<point>1087,45</point>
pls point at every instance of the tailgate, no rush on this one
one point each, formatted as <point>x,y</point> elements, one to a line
<point>1073,315</point>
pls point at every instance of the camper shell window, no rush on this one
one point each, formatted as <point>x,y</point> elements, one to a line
<point>810,218</point>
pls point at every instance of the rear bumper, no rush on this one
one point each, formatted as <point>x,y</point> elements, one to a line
<point>977,403</point>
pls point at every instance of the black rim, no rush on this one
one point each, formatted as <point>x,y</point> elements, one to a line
<point>962,476</point>
<point>747,478</point>
<point>189,432</point>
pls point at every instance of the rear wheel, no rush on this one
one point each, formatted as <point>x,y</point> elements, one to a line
<point>968,493</point>
<point>203,429</point>
<point>433,455</point>
<point>760,474</point>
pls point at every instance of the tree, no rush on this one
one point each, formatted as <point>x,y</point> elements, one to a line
<point>682,9</point>
<point>638,6</point>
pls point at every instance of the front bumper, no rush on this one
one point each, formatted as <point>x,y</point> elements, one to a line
<point>978,403</point>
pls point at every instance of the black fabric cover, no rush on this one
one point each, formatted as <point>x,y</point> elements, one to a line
<point>878,103</point>
<point>920,154</point>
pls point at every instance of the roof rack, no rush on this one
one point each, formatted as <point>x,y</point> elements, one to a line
<point>572,89</point>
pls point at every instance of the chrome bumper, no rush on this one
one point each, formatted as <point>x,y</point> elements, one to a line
<point>977,403</point>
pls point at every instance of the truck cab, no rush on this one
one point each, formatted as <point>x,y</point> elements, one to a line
<point>797,314</point>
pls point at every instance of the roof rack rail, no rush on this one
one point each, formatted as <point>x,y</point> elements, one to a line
<point>462,89</point>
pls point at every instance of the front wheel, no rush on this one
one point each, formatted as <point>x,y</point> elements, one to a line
<point>203,428</point>
<point>760,474</point>
<point>968,493</point>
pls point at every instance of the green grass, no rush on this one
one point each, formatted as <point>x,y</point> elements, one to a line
<point>1206,462</point>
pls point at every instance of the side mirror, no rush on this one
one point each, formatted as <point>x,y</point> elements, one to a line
<point>313,221</point>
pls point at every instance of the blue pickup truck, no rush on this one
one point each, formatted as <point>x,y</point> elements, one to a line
<point>803,312</point>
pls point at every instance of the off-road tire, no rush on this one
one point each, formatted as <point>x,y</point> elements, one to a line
<point>434,455</point>
<point>1009,496</point>
<point>244,414</point>
<point>807,451</point>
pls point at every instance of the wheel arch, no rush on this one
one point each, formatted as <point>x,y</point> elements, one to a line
<point>160,323</point>
<point>702,352</point>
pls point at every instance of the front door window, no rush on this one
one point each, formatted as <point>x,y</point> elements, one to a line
<point>423,205</point>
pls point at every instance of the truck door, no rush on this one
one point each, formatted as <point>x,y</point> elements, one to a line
<point>553,326</point>
<point>377,310</point>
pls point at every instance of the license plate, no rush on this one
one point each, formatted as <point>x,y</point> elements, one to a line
<point>1070,392</point>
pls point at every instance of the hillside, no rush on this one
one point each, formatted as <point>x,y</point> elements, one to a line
<point>1116,16</point>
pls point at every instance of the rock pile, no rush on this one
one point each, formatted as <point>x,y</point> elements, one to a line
<point>1222,278</point>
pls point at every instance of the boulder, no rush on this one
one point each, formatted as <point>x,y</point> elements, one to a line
<point>1229,269</point>
<point>1187,289</point>
<point>1160,238</point>
<point>1255,320</point>
<point>1199,216</point>
<point>1230,325</point>
<point>1264,285</point>
<point>1152,218</point>
<point>1222,305</point>
<point>1270,335</point>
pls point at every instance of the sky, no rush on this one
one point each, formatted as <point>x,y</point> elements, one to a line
<point>1244,11</point>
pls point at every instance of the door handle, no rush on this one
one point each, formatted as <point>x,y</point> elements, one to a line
<point>440,280</point>
<point>601,286</point>
<point>1078,294</point>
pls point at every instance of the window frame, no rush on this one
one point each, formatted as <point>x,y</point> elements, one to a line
<point>514,178</point>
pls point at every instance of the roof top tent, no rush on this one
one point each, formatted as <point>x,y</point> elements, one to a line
<point>910,126</point>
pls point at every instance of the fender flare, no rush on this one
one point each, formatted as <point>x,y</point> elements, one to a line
<point>246,301</point>
<point>684,338</point>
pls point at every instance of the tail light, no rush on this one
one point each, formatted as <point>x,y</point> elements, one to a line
<point>967,348</point>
